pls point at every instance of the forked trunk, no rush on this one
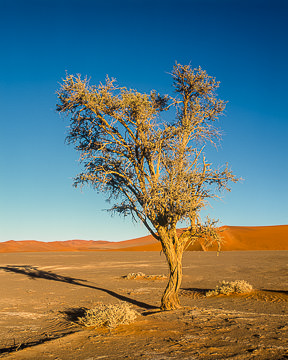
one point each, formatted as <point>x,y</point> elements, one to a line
<point>170,300</point>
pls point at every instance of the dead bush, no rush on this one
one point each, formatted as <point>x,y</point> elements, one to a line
<point>230,287</point>
<point>108,315</point>
<point>142,276</point>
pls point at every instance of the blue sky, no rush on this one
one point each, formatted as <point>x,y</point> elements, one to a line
<point>242,43</point>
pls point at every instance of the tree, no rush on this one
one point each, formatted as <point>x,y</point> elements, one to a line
<point>154,170</point>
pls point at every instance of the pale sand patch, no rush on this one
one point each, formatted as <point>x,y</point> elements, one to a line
<point>22,314</point>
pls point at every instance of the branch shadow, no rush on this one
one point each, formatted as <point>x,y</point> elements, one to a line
<point>200,292</point>
<point>34,273</point>
<point>281,292</point>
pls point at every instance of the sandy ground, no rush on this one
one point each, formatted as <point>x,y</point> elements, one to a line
<point>42,293</point>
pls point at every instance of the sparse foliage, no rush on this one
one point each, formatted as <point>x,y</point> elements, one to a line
<point>108,315</point>
<point>154,170</point>
<point>231,287</point>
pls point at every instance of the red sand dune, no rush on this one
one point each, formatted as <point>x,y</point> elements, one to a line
<point>234,238</point>
<point>254,238</point>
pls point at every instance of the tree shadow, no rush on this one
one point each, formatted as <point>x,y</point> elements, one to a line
<point>34,273</point>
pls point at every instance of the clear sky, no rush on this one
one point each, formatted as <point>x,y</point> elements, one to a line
<point>241,43</point>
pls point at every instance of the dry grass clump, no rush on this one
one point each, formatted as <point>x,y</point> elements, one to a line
<point>108,315</point>
<point>230,287</point>
<point>140,276</point>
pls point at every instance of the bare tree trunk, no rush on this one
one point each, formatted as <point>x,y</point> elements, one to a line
<point>170,300</point>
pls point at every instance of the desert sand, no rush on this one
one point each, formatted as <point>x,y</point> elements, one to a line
<point>42,293</point>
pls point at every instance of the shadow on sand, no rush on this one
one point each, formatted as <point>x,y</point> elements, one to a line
<point>34,273</point>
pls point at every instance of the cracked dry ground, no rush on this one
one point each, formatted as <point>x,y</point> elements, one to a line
<point>43,293</point>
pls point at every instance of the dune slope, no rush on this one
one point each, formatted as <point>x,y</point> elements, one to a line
<point>234,238</point>
<point>254,238</point>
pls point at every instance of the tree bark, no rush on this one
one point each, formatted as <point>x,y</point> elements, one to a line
<point>170,299</point>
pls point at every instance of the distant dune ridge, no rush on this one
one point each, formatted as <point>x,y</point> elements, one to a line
<point>234,238</point>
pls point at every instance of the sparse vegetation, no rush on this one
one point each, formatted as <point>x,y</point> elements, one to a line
<point>108,315</point>
<point>231,287</point>
<point>142,276</point>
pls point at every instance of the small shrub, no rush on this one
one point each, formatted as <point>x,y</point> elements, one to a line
<point>230,287</point>
<point>108,315</point>
<point>134,276</point>
<point>141,276</point>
